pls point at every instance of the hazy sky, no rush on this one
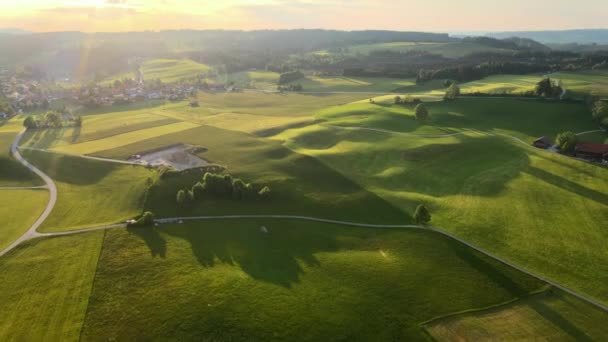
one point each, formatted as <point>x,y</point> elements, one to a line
<point>405,15</point>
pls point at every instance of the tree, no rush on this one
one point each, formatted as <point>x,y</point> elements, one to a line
<point>397,99</point>
<point>147,219</point>
<point>53,119</point>
<point>422,114</point>
<point>198,191</point>
<point>452,92</point>
<point>599,111</point>
<point>29,123</point>
<point>567,141</point>
<point>181,197</point>
<point>422,215</point>
<point>78,121</point>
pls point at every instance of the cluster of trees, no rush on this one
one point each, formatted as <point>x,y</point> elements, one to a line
<point>407,99</point>
<point>51,119</point>
<point>548,88</point>
<point>422,215</point>
<point>222,186</point>
<point>599,113</point>
<point>567,141</point>
<point>290,76</point>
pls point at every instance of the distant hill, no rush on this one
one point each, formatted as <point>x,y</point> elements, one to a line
<point>599,36</point>
<point>13,31</point>
<point>511,43</point>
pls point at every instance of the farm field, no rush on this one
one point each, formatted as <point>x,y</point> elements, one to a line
<point>498,201</point>
<point>263,80</point>
<point>45,288</point>
<point>167,70</point>
<point>552,315</point>
<point>500,84</point>
<point>353,84</point>
<point>19,209</point>
<point>448,50</point>
<point>86,187</point>
<point>585,82</point>
<point>345,281</point>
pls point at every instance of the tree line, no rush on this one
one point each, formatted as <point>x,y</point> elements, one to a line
<point>221,186</point>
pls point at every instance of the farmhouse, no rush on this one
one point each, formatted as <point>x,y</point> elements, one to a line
<point>592,151</point>
<point>543,142</point>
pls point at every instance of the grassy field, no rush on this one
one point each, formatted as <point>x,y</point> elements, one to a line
<point>585,82</point>
<point>300,184</point>
<point>90,192</point>
<point>540,210</point>
<point>449,50</point>
<point>499,84</point>
<point>113,141</point>
<point>346,84</point>
<point>527,119</point>
<point>551,316</point>
<point>167,70</point>
<point>45,288</point>
<point>19,209</point>
<point>229,281</point>
<point>265,80</point>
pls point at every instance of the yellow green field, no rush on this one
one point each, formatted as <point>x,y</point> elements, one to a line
<point>19,209</point>
<point>167,70</point>
<point>549,316</point>
<point>122,139</point>
<point>46,284</point>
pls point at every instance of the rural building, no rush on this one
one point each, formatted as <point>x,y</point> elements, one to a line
<point>597,152</point>
<point>542,142</point>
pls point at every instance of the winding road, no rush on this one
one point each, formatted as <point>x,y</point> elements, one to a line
<point>50,185</point>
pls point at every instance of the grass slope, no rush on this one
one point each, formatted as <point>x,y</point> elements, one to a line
<point>19,209</point>
<point>45,287</point>
<point>226,280</point>
<point>543,211</point>
<point>301,185</point>
<point>90,192</point>
<point>346,84</point>
<point>553,316</point>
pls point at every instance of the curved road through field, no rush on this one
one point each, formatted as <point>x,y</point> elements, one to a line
<point>50,185</point>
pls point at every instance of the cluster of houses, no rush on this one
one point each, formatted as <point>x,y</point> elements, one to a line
<point>23,95</point>
<point>592,152</point>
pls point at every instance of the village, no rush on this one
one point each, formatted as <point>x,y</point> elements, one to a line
<point>22,95</point>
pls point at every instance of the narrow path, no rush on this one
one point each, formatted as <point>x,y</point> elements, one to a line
<point>593,131</point>
<point>31,232</point>
<point>172,220</point>
<point>83,156</point>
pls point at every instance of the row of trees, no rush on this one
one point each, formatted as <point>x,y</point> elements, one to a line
<point>51,119</point>
<point>222,186</point>
<point>466,73</point>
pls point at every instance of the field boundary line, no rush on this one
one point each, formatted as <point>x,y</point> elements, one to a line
<point>379,130</point>
<point>83,156</point>
<point>24,187</point>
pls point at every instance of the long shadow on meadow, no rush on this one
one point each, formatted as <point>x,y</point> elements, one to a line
<point>275,254</point>
<point>151,236</point>
<point>568,185</point>
<point>559,321</point>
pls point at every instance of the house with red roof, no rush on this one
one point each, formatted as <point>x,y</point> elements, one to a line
<point>598,152</point>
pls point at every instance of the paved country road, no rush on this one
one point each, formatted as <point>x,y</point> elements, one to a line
<point>31,232</point>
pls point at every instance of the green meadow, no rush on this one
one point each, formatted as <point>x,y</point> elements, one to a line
<point>91,193</point>
<point>19,209</point>
<point>333,156</point>
<point>550,315</point>
<point>230,281</point>
<point>45,288</point>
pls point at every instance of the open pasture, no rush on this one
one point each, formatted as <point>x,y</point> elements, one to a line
<point>167,70</point>
<point>19,209</point>
<point>45,287</point>
<point>551,314</point>
<point>91,193</point>
<point>227,280</point>
<point>543,211</point>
